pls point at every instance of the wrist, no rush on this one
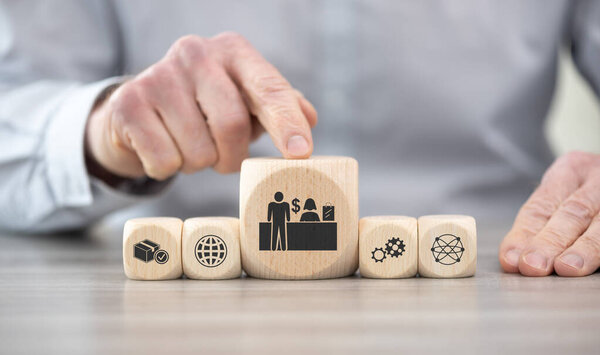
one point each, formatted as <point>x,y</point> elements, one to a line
<point>93,166</point>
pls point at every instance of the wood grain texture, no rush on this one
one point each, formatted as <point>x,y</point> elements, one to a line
<point>328,181</point>
<point>447,246</point>
<point>225,262</point>
<point>380,253</point>
<point>66,294</point>
<point>165,232</point>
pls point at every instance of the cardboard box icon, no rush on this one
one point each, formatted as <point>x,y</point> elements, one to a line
<point>145,250</point>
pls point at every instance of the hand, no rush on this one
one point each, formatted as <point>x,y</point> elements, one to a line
<point>558,228</point>
<point>200,106</point>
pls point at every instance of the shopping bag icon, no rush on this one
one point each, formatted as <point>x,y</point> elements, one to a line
<point>328,212</point>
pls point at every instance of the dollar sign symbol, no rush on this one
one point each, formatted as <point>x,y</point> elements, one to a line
<point>296,207</point>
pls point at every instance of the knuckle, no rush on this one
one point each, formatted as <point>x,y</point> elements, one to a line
<point>578,209</point>
<point>234,125</point>
<point>555,238</point>
<point>163,73</point>
<point>201,158</point>
<point>540,208</point>
<point>269,87</point>
<point>145,81</point>
<point>285,116</point>
<point>127,101</point>
<point>191,49</point>
<point>165,167</point>
<point>530,228</point>
<point>127,95</point>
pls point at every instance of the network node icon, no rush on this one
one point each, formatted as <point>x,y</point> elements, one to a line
<point>447,249</point>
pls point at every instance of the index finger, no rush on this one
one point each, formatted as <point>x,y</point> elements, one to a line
<point>270,98</point>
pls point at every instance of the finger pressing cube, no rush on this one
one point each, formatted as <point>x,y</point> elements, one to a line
<point>211,248</point>
<point>388,247</point>
<point>299,218</point>
<point>152,248</point>
<point>447,246</point>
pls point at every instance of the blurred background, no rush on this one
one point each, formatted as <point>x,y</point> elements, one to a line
<point>378,102</point>
<point>574,120</point>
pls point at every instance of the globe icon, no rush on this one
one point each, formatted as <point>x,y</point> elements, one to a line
<point>447,249</point>
<point>211,251</point>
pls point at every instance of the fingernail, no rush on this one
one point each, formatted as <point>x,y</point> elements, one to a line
<point>573,260</point>
<point>512,257</point>
<point>297,146</point>
<point>536,260</point>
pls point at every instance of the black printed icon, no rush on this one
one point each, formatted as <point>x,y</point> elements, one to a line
<point>311,232</point>
<point>278,215</point>
<point>309,215</point>
<point>147,250</point>
<point>161,256</point>
<point>328,212</point>
<point>211,251</point>
<point>378,255</point>
<point>296,204</point>
<point>394,247</point>
<point>447,249</point>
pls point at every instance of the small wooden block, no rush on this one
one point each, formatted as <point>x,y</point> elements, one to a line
<point>299,218</point>
<point>447,246</point>
<point>152,248</point>
<point>211,248</point>
<point>388,247</point>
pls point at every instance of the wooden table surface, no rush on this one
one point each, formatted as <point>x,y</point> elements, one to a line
<point>68,294</point>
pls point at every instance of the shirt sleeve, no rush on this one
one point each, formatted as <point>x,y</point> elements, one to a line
<point>52,68</point>
<point>585,41</point>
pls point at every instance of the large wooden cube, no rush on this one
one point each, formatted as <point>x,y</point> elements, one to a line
<point>299,218</point>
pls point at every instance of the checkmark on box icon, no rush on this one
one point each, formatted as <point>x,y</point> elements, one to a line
<point>148,250</point>
<point>161,256</point>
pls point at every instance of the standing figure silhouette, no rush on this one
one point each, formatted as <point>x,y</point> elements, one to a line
<point>279,214</point>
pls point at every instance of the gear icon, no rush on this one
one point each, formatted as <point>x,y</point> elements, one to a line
<point>378,255</point>
<point>394,247</point>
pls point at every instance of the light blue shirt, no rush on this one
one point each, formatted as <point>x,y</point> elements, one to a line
<point>441,102</point>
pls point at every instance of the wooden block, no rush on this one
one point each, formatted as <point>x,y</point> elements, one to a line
<point>152,248</point>
<point>299,218</point>
<point>388,247</point>
<point>447,246</point>
<point>211,248</point>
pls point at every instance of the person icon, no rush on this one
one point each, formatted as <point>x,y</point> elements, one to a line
<point>278,215</point>
<point>308,215</point>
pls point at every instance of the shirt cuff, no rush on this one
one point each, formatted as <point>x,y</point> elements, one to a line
<point>67,173</point>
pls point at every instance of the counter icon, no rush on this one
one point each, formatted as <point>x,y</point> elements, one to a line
<point>311,232</point>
